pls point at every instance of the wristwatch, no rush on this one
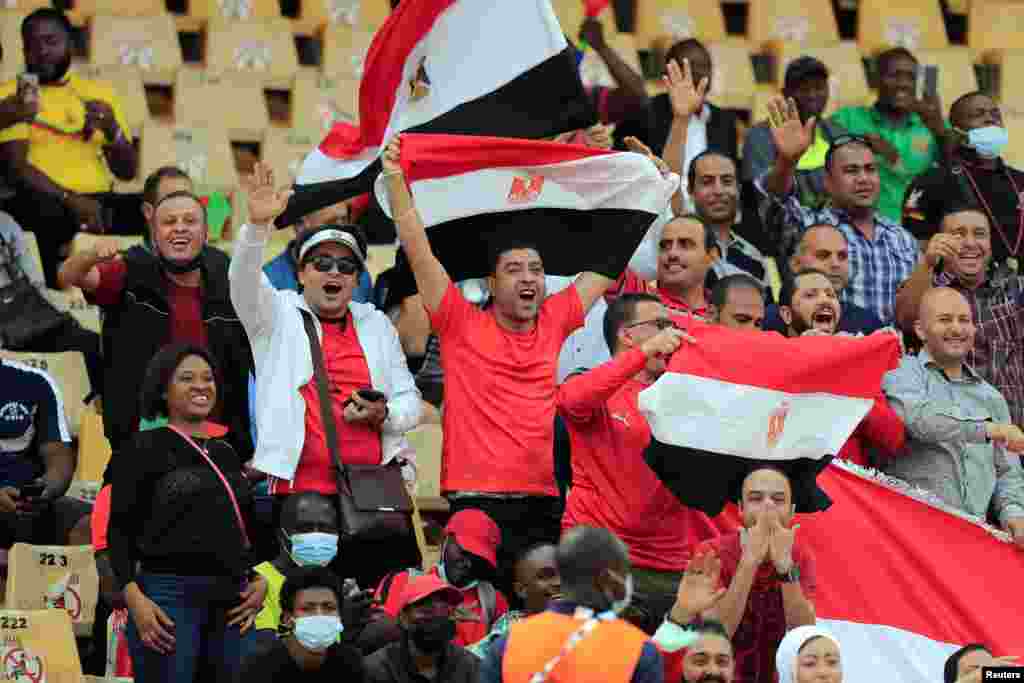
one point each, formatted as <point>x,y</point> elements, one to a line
<point>792,576</point>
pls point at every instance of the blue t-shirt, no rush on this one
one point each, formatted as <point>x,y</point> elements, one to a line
<point>31,414</point>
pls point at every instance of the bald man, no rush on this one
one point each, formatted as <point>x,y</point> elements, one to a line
<point>959,433</point>
<point>822,247</point>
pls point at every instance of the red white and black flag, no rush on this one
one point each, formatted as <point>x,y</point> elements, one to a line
<point>585,209</point>
<point>493,68</point>
<point>740,397</point>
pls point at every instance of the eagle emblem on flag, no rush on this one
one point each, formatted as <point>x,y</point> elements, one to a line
<point>777,424</point>
<point>525,189</point>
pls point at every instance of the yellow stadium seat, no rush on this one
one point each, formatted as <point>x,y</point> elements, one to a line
<point>1011,98</point>
<point>10,37</point>
<point>263,50</point>
<point>202,152</point>
<point>913,24</point>
<point>235,104</point>
<point>54,577</point>
<point>73,302</point>
<point>677,20</point>
<point>593,70</point>
<point>146,44</point>
<point>994,25</point>
<point>234,10</point>
<point>1014,154</point>
<point>570,15</point>
<point>792,21</point>
<point>426,440</point>
<point>345,51</point>
<point>380,258</point>
<point>361,15</point>
<point>130,91</point>
<point>120,8</point>
<point>848,84</point>
<point>40,645</point>
<point>732,80</point>
<point>93,447</point>
<point>284,150</point>
<point>68,369</point>
<point>956,72</point>
<point>85,240</point>
<point>277,243</point>
<point>318,102</point>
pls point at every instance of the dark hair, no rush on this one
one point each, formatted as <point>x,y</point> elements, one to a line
<point>759,467</point>
<point>841,141</point>
<point>963,207</point>
<point>789,285</point>
<point>350,228</point>
<point>152,395</point>
<point>710,238</point>
<point>181,193</point>
<point>720,292</point>
<point>502,244</point>
<point>153,182</point>
<point>954,109</point>
<point>622,311</point>
<point>711,627</point>
<point>290,507</point>
<point>949,674</point>
<point>584,553</point>
<point>303,578</point>
<point>46,14</point>
<point>684,46</point>
<point>885,58</point>
<point>529,551</point>
<point>691,172</point>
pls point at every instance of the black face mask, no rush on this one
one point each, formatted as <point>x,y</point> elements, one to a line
<point>431,636</point>
<point>180,267</point>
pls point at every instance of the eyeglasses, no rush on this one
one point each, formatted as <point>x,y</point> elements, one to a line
<point>660,323</point>
<point>842,141</point>
<point>325,264</point>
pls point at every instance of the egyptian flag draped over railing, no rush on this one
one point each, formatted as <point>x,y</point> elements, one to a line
<point>739,397</point>
<point>584,208</point>
<point>493,68</point>
<point>903,582</point>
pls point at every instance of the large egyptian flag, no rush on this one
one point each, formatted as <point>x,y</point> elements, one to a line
<point>740,397</point>
<point>903,582</point>
<point>584,208</point>
<point>469,67</point>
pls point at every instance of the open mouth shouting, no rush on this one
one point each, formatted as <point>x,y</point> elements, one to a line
<point>528,294</point>
<point>825,318</point>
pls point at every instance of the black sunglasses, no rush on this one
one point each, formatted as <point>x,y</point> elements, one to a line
<point>842,141</point>
<point>660,323</point>
<point>325,264</point>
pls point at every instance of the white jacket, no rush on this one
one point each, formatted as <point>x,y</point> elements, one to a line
<point>284,364</point>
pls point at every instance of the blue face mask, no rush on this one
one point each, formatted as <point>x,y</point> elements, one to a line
<point>319,632</point>
<point>988,142</point>
<point>314,549</point>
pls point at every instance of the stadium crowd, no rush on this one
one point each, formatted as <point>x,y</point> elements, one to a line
<point>252,410</point>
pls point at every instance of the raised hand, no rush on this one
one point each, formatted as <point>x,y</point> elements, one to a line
<point>758,541</point>
<point>665,343</point>
<point>780,545</point>
<point>599,136</point>
<point>265,202</point>
<point>391,160</point>
<point>634,145</point>
<point>699,589</point>
<point>942,246</point>
<point>791,137</point>
<point>686,97</point>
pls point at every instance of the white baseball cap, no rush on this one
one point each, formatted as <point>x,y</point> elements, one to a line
<point>332,233</point>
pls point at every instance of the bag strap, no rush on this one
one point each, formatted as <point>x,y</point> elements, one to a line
<point>223,480</point>
<point>488,602</point>
<point>320,373</point>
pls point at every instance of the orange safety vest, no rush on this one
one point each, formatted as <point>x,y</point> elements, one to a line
<point>608,654</point>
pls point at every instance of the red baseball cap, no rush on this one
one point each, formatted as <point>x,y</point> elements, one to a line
<point>423,586</point>
<point>476,533</point>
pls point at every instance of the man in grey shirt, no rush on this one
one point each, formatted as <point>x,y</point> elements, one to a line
<point>958,425</point>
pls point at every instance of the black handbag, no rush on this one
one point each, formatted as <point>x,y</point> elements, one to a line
<point>373,503</point>
<point>25,314</point>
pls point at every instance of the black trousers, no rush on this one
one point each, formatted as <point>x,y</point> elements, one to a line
<point>524,522</point>
<point>55,225</point>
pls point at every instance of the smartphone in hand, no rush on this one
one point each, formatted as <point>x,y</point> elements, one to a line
<point>927,81</point>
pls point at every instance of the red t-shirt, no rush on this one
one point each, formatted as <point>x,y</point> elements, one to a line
<point>347,371</point>
<point>631,283</point>
<point>612,486</point>
<point>499,398</point>
<point>185,303</point>
<point>764,622</point>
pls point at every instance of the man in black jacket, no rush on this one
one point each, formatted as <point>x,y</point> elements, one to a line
<point>176,293</point>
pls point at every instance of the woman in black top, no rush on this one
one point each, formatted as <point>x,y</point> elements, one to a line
<point>178,540</point>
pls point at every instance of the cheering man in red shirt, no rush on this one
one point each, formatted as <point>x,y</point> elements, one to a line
<point>612,485</point>
<point>499,369</point>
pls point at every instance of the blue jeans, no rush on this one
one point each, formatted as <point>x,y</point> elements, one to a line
<point>203,641</point>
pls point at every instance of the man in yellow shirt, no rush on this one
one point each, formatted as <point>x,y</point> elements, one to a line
<point>63,160</point>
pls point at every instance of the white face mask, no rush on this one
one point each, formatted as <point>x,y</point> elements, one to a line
<point>317,633</point>
<point>619,606</point>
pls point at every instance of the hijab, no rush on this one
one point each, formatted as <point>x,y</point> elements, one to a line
<point>786,655</point>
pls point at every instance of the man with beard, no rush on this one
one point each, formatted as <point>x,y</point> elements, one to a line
<point>613,487</point>
<point>468,562</point>
<point>710,658</point>
<point>806,82</point>
<point>960,257</point>
<point>63,161</point>
<point>959,432</point>
<point>905,132</point>
<point>809,306</point>
<point>176,293</point>
<point>882,254</point>
<point>823,247</point>
<point>427,615</point>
